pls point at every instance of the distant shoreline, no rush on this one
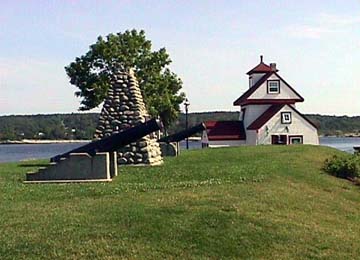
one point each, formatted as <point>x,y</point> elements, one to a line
<point>193,139</point>
<point>33,141</point>
<point>342,136</point>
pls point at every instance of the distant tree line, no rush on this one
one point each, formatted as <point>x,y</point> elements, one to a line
<point>82,125</point>
<point>57,126</point>
<point>327,125</point>
<point>336,125</point>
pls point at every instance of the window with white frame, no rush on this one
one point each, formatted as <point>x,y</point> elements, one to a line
<point>286,117</point>
<point>273,86</point>
<point>296,139</point>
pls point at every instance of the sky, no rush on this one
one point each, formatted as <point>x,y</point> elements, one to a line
<point>212,44</point>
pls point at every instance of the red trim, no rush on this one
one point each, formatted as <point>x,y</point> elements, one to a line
<point>302,99</point>
<point>261,120</point>
<point>243,99</point>
<point>271,101</point>
<point>251,90</point>
<point>311,123</point>
<point>270,112</point>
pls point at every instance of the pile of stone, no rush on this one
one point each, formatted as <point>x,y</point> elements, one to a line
<point>124,108</point>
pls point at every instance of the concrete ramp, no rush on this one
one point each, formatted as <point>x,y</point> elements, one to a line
<point>78,167</point>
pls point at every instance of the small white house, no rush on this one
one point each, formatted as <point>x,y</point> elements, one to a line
<point>268,114</point>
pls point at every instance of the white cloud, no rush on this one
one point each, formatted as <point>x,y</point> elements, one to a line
<point>307,31</point>
<point>321,26</point>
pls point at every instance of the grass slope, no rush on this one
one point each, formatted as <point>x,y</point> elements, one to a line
<point>266,202</point>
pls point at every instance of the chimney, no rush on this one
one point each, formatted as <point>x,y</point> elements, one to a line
<point>261,59</point>
<point>273,66</point>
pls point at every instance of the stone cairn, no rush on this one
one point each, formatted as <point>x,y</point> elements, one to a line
<point>124,108</point>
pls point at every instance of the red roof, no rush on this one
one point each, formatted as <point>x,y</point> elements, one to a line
<point>260,68</point>
<point>243,99</point>
<point>269,113</point>
<point>265,101</point>
<point>261,120</point>
<point>225,130</point>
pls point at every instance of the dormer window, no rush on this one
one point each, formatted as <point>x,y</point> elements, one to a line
<point>286,117</point>
<point>273,86</point>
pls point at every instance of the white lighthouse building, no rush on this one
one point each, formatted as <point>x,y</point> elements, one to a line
<point>268,114</point>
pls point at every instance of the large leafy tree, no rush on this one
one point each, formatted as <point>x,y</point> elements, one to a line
<point>160,87</point>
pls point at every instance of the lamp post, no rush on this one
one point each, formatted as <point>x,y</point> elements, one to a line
<point>187,104</point>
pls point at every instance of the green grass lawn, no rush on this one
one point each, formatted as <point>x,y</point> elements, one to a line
<point>265,202</point>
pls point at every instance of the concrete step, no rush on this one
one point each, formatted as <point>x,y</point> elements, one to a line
<point>77,167</point>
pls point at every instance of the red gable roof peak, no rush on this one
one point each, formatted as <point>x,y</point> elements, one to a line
<point>262,67</point>
<point>244,98</point>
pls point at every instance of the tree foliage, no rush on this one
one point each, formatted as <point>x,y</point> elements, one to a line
<point>160,87</point>
<point>57,126</point>
<point>345,166</point>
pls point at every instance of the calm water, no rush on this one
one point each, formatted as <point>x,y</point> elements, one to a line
<point>343,144</point>
<point>21,152</point>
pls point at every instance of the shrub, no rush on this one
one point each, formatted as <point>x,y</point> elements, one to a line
<point>347,166</point>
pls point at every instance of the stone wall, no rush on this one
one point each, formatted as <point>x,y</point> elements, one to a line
<point>124,108</point>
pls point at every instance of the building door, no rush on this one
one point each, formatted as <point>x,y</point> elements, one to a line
<point>279,139</point>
